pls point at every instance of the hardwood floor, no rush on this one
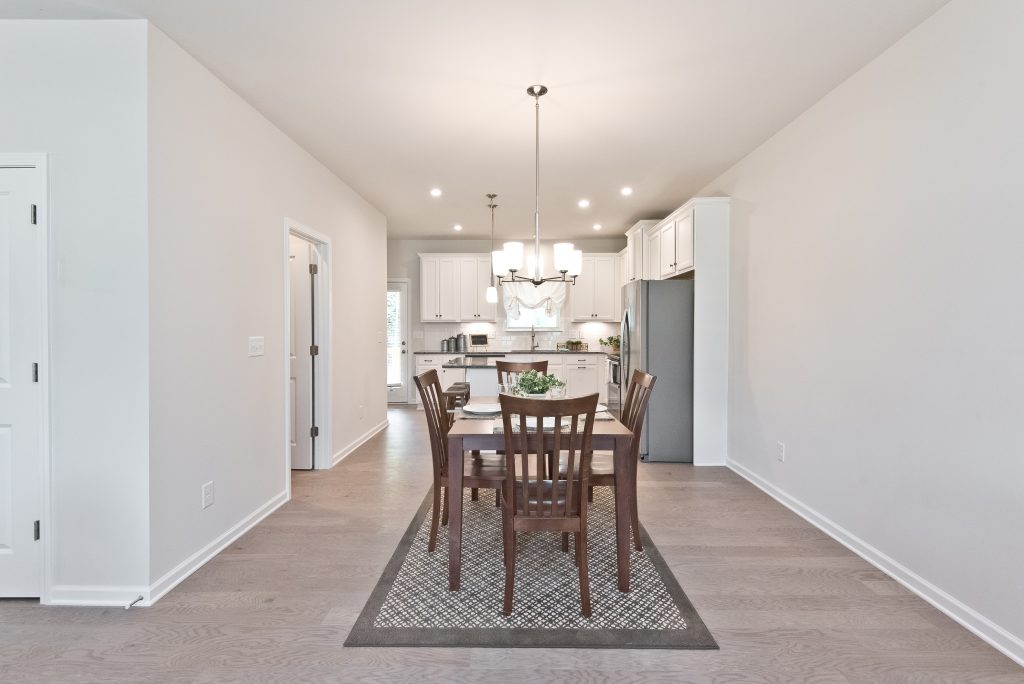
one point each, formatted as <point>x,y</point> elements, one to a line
<point>785,602</point>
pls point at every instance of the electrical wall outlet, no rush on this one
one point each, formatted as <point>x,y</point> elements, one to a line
<point>780,451</point>
<point>208,494</point>
<point>256,346</point>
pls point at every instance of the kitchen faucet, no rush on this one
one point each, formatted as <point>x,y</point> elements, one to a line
<point>533,339</point>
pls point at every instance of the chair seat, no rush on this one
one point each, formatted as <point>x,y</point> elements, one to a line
<point>485,470</point>
<point>546,490</point>
<point>602,465</point>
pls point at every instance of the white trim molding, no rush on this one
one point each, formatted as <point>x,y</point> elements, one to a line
<point>95,595</point>
<point>358,442</point>
<point>174,577</point>
<point>997,637</point>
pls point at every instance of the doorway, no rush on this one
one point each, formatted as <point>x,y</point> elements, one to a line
<point>24,416</point>
<point>307,357</point>
<point>397,341</point>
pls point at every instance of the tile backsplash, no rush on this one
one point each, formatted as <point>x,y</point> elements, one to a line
<point>504,340</point>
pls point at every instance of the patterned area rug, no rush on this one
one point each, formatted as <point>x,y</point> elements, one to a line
<point>411,604</point>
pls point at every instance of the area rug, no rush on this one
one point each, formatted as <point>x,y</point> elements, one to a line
<point>411,604</point>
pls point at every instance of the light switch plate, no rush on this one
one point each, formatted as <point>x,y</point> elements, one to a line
<point>256,346</point>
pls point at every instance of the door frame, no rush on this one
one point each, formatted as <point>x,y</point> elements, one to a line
<point>407,334</point>
<point>322,373</point>
<point>39,162</point>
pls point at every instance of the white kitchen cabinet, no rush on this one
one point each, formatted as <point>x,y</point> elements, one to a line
<point>447,376</point>
<point>675,245</point>
<point>652,254</point>
<point>474,277</point>
<point>635,250</point>
<point>595,296</point>
<point>580,379</point>
<point>667,250</point>
<point>439,288</point>
<point>424,364</point>
<point>695,238</point>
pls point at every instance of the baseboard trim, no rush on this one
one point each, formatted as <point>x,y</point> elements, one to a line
<point>94,595</point>
<point>174,577</point>
<point>996,636</point>
<point>359,441</point>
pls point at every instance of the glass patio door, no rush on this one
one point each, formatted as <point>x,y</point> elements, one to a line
<point>397,337</point>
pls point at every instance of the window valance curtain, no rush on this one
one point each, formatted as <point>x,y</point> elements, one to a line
<point>549,295</point>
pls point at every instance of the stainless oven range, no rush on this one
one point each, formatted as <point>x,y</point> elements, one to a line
<point>615,389</point>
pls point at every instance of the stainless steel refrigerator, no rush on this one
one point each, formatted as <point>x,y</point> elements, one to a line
<point>657,337</point>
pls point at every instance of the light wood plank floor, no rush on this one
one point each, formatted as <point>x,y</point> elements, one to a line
<point>785,602</point>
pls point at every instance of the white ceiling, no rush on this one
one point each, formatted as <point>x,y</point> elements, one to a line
<point>398,96</point>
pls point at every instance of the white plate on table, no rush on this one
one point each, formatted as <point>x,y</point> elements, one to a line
<point>482,409</point>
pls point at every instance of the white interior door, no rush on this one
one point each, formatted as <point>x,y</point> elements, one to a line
<point>22,308</point>
<point>301,359</point>
<point>397,342</point>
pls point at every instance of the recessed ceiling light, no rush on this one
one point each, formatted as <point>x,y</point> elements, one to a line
<point>597,226</point>
<point>435,192</point>
<point>457,227</point>
<point>583,203</point>
<point>626,191</point>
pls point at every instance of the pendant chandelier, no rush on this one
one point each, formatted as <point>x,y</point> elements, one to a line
<point>507,263</point>
<point>492,292</point>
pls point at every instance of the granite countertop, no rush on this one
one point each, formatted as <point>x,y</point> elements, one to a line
<point>511,351</point>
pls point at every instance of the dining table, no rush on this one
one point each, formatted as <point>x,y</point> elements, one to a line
<point>473,433</point>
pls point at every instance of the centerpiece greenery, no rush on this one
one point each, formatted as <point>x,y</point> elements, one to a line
<point>533,382</point>
<point>613,341</point>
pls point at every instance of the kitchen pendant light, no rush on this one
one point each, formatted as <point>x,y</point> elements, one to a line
<point>492,292</point>
<point>508,262</point>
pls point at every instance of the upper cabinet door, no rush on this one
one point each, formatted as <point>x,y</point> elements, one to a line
<point>684,242</point>
<point>428,289</point>
<point>667,249</point>
<point>447,289</point>
<point>652,255</point>
<point>583,292</point>
<point>469,298</point>
<point>485,310</point>
<point>606,287</point>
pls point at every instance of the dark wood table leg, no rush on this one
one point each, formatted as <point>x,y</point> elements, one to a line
<point>623,506</point>
<point>456,459</point>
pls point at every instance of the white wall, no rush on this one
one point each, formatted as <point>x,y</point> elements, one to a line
<point>876,324</point>
<point>222,181</point>
<point>77,91</point>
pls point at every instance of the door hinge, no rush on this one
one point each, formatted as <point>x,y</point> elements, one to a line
<point>34,211</point>
<point>314,431</point>
<point>314,350</point>
<point>35,531</point>
<point>313,270</point>
<point>35,372</point>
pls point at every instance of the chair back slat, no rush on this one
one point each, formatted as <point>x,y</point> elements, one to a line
<point>535,494</point>
<point>634,408</point>
<point>509,371</point>
<point>437,406</point>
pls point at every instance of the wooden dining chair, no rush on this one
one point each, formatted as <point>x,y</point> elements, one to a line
<point>480,471</point>
<point>529,502</point>
<point>509,371</point>
<point>602,467</point>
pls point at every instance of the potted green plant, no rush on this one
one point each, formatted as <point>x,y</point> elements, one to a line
<point>574,345</point>
<point>536,385</point>
<point>613,341</point>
